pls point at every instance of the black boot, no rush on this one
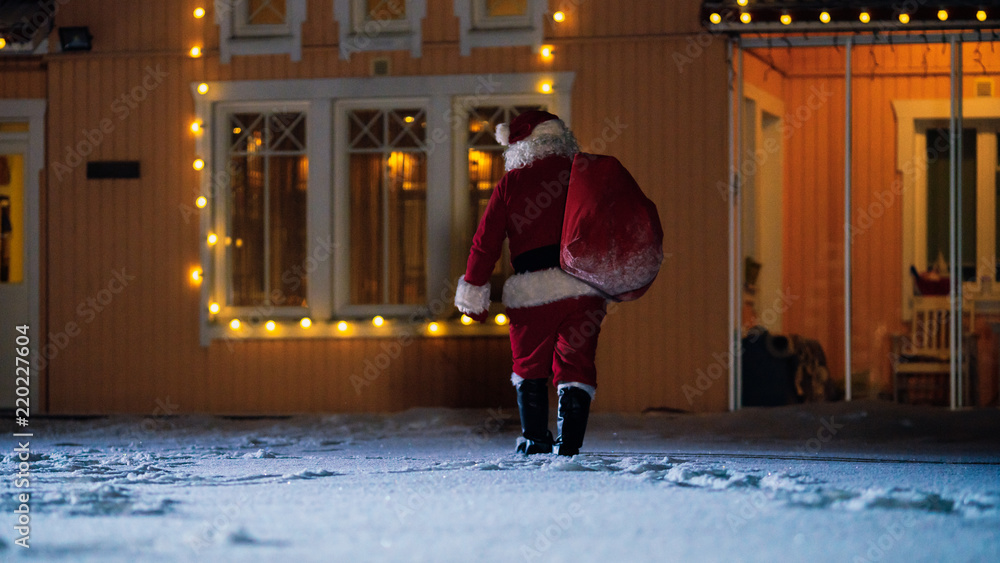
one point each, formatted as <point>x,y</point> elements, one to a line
<point>533,405</point>
<point>574,409</point>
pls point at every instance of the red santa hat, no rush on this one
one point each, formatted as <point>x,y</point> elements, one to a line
<point>522,126</point>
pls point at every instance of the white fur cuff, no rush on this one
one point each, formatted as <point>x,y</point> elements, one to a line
<point>472,299</point>
<point>515,379</point>
<point>531,289</point>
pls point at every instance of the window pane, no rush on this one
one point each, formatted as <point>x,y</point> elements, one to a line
<point>366,228</point>
<point>938,149</point>
<point>266,243</point>
<point>245,242</point>
<point>266,12</point>
<point>406,128</point>
<point>388,206</point>
<point>407,179</point>
<point>499,8</point>
<point>380,10</point>
<point>289,176</point>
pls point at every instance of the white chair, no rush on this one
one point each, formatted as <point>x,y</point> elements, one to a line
<point>921,366</point>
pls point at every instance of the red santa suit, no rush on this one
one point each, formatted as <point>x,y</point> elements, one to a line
<point>555,319</point>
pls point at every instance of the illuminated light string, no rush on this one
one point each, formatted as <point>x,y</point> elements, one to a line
<point>787,18</point>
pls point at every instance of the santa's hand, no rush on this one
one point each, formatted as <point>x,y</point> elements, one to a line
<point>480,317</point>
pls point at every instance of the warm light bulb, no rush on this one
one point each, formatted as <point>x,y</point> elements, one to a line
<point>196,275</point>
<point>409,119</point>
<point>981,15</point>
<point>270,326</point>
<point>201,202</point>
<point>195,126</point>
<point>715,18</point>
<point>546,87</point>
<point>942,15</point>
<point>865,17</point>
<point>559,17</point>
<point>786,19</point>
<point>213,308</point>
<point>342,326</point>
<point>433,327</point>
<point>236,130</point>
<point>741,2</point>
<point>234,324</point>
<point>212,238</point>
<point>378,320</point>
<point>467,320</point>
<point>306,322</point>
<point>904,18</point>
<point>546,52</point>
<point>198,164</point>
<point>824,17</point>
<point>3,42</point>
<point>195,52</point>
<point>203,88</point>
<point>199,12</point>
<point>745,17</point>
<point>501,319</point>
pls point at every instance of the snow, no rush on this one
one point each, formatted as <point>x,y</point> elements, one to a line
<point>834,482</point>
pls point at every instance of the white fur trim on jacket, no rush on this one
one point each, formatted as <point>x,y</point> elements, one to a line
<point>515,379</point>
<point>472,299</point>
<point>590,389</point>
<point>531,289</point>
<point>546,139</point>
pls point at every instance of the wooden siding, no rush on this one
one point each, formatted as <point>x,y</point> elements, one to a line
<point>814,172</point>
<point>141,350</point>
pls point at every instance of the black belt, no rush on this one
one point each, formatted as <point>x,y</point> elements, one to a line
<point>541,258</point>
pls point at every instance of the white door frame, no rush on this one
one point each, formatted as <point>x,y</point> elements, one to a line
<point>32,112</point>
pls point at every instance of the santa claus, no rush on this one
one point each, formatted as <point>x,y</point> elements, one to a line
<point>555,319</point>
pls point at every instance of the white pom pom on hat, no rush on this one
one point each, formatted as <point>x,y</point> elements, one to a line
<point>521,126</point>
<point>503,133</point>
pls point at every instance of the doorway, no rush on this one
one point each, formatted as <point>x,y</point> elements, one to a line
<point>21,162</point>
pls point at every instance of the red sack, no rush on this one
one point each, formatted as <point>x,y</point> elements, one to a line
<point>611,238</point>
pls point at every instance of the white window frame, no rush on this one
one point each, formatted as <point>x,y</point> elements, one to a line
<point>435,207</point>
<point>222,258</point>
<point>238,37</point>
<point>359,33</point>
<point>320,97</point>
<point>912,119</point>
<point>478,30</point>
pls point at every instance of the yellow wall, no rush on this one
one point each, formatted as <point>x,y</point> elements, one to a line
<point>644,63</point>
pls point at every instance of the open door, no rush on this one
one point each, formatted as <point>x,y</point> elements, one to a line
<point>21,145</point>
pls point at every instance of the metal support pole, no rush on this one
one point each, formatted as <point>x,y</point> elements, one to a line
<point>848,132</point>
<point>735,124</point>
<point>955,232</point>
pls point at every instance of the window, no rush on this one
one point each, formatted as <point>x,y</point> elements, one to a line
<point>501,14</point>
<point>325,199</point>
<point>266,238</point>
<point>261,17</point>
<point>486,168</point>
<point>923,149</point>
<point>381,15</point>
<point>260,27</point>
<point>500,23</point>
<point>388,206</point>
<point>379,25</point>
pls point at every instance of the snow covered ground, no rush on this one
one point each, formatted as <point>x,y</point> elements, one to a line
<point>844,482</point>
